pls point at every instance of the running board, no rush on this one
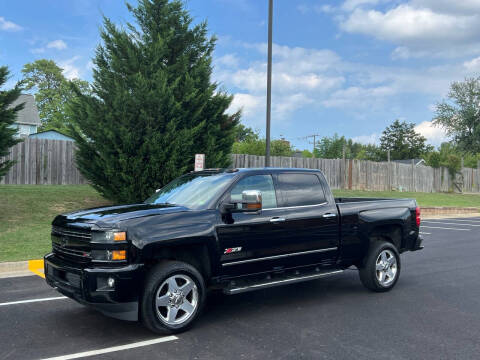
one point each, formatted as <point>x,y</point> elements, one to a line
<point>267,283</point>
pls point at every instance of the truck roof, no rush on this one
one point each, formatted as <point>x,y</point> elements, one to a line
<point>273,169</point>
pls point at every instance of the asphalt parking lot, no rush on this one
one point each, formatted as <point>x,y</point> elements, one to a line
<point>432,313</point>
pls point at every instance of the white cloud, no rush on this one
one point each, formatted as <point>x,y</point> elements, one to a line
<point>350,5</point>
<point>8,25</point>
<point>435,135</point>
<point>420,28</point>
<point>358,97</point>
<point>472,65</point>
<point>70,70</point>
<point>57,44</point>
<point>249,104</point>
<point>367,139</point>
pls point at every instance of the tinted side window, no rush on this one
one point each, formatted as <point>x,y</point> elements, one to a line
<point>263,183</point>
<point>300,189</point>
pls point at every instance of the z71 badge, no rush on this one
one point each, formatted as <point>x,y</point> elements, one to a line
<point>232,250</point>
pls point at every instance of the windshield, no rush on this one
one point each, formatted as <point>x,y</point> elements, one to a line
<point>194,191</point>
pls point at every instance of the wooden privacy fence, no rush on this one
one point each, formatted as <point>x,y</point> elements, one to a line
<point>51,162</point>
<point>43,162</point>
<point>369,175</point>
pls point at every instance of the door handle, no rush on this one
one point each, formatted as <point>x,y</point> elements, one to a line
<point>277,220</point>
<point>329,215</point>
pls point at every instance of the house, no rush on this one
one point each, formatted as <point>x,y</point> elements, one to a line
<point>417,162</point>
<point>50,135</point>
<point>28,120</point>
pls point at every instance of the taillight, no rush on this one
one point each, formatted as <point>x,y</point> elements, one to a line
<point>417,216</point>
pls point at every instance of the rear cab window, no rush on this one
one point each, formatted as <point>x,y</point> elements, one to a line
<point>297,189</point>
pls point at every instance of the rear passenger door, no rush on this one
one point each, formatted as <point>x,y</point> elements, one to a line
<point>310,222</point>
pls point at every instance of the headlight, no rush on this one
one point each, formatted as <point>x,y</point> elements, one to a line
<point>108,237</point>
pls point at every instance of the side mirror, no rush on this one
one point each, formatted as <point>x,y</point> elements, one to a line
<point>251,202</point>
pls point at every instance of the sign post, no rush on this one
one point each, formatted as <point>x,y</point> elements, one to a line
<point>199,162</point>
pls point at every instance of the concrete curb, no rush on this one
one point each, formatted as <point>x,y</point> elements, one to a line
<point>447,211</point>
<point>14,268</point>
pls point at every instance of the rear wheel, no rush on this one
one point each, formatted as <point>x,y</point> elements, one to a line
<point>381,268</point>
<point>173,297</point>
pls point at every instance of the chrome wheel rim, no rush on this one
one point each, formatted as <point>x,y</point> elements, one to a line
<point>386,268</point>
<point>176,299</point>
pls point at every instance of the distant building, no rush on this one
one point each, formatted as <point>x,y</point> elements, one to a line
<point>417,162</point>
<point>28,120</point>
<point>51,135</point>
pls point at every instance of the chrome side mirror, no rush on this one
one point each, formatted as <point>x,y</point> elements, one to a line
<point>251,200</point>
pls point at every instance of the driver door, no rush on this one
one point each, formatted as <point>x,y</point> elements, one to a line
<point>247,240</point>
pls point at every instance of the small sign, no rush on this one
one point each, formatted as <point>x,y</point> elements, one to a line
<point>199,162</point>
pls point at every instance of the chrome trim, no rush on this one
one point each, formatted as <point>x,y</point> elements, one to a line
<point>280,282</point>
<point>279,256</point>
<point>329,215</point>
<point>277,220</point>
<point>295,207</point>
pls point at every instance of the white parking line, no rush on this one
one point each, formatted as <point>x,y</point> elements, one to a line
<point>444,228</point>
<point>448,223</point>
<point>114,348</point>
<point>424,233</point>
<point>33,300</point>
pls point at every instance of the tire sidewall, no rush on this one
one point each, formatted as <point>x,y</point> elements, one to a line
<point>378,249</point>
<point>158,275</point>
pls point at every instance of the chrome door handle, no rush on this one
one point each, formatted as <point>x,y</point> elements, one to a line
<point>277,220</point>
<point>329,215</point>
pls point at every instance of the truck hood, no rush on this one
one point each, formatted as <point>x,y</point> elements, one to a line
<point>112,215</point>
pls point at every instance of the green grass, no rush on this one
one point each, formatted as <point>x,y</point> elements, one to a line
<point>26,213</point>
<point>423,199</point>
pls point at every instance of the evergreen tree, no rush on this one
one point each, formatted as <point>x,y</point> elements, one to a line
<point>8,115</point>
<point>153,105</point>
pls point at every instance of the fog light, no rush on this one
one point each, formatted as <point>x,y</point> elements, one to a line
<point>111,282</point>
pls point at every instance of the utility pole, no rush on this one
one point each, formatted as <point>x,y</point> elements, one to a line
<point>269,82</point>
<point>314,136</point>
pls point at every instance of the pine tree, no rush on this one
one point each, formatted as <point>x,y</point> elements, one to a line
<point>153,104</point>
<point>8,115</point>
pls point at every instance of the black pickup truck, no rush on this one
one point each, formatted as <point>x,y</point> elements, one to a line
<point>234,230</point>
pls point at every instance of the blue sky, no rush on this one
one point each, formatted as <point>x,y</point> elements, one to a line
<point>348,67</point>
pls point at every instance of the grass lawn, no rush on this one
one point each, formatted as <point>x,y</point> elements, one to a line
<point>423,199</point>
<point>26,213</point>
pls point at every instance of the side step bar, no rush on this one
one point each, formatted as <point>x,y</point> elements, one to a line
<point>272,283</point>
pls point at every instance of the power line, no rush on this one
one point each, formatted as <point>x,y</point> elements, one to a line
<point>314,136</point>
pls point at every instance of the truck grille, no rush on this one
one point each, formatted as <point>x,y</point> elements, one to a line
<point>71,244</point>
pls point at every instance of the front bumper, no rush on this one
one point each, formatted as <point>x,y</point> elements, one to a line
<point>89,286</point>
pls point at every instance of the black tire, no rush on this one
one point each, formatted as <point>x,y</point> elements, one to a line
<point>157,276</point>
<point>369,275</point>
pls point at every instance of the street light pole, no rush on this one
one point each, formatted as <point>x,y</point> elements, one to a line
<point>269,82</point>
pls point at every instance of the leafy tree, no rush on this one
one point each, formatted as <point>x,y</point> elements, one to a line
<point>403,141</point>
<point>460,115</point>
<point>278,147</point>
<point>307,154</point>
<point>8,115</point>
<point>332,148</point>
<point>243,133</point>
<point>153,104</point>
<point>52,93</point>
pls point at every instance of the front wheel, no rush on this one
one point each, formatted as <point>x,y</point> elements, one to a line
<point>381,268</point>
<point>173,297</point>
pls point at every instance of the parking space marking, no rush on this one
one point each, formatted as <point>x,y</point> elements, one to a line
<point>444,228</point>
<point>114,348</point>
<point>33,300</point>
<point>424,233</point>
<point>448,223</point>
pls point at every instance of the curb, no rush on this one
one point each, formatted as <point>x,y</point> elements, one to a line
<point>446,211</point>
<point>21,268</point>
